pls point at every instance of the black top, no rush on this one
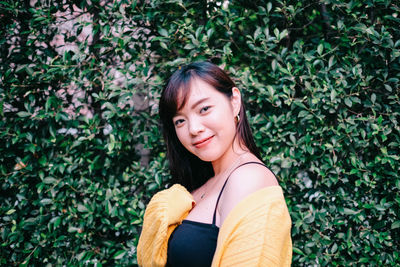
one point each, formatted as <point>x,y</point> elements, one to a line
<point>194,243</point>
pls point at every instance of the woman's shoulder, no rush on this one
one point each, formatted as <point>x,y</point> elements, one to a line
<point>244,181</point>
<point>249,178</point>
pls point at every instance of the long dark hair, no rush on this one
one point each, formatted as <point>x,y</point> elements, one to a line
<point>186,168</point>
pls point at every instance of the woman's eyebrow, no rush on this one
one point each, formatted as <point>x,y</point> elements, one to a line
<point>198,102</point>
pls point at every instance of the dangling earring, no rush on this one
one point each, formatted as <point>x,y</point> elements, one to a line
<point>237,118</point>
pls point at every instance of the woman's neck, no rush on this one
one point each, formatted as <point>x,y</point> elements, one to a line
<point>230,158</point>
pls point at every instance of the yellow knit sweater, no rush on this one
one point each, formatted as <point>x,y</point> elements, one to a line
<point>255,233</point>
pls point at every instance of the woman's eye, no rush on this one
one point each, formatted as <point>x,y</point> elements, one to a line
<point>204,109</point>
<point>178,122</point>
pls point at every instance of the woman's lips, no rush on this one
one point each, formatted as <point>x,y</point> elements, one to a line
<point>203,142</point>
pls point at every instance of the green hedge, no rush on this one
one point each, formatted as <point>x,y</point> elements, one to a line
<point>80,148</point>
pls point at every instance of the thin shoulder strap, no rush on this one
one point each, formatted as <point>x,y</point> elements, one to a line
<point>222,189</point>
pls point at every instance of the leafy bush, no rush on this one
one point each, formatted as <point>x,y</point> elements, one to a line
<point>81,152</point>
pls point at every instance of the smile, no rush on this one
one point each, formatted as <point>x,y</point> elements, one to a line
<point>203,142</point>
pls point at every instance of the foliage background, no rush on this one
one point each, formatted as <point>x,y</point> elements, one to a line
<point>80,148</point>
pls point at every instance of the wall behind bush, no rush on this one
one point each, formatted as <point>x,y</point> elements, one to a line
<point>80,148</point>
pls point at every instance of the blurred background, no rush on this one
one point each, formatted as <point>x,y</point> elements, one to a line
<point>81,151</point>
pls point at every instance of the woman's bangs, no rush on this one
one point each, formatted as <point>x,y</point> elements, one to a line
<point>176,95</point>
<point>182,95</point>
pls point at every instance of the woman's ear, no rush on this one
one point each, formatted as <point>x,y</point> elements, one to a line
<point>236,100</point>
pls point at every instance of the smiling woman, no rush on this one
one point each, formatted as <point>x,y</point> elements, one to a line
<point>205,125</point>
<point>235,212</point>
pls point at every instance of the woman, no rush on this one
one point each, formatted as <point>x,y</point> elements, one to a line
<point>236,213</point>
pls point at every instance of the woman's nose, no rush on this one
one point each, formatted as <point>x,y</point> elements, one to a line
<point>195,126</point>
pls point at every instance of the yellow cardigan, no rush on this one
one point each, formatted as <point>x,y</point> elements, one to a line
<point>255,233</point>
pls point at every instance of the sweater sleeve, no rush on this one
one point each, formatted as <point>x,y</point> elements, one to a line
<point>164,212</point>
<point>256,232</point>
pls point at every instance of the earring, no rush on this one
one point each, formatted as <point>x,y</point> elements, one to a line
<point>237,118</point>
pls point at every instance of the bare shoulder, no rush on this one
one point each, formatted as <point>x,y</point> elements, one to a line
<point>244,181</point>
<point>249,178</point>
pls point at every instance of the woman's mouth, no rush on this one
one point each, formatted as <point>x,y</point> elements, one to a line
<point>203,142</point>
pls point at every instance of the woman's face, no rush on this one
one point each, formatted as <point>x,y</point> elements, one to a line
<point>206,125</point>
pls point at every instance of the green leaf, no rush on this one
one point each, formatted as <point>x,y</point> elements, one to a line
<point>82,208</point>
<point>348,211</point>
<point>348,102</point>
<point>269,6</point>
<point>72,229</point>
<point>23,114</point>
<point>46,201</point>
<point>119,254</point>
<point>298,251</point>
<point>395,225</point>
<point>257,33</point>
<point>373,98</point>
<point>108,194</point>
<point>198,31</point>
<point>283,34</point>
<point>388,87</point>
<point>210,32</point>
<point>158,179</point>
<point>333,94</point>
<point>56,221</point>
<point>50,180</point>
<point>163,45</point>
<point>273,64</point>
<point>11,211</point>
<point>276,32</point>
<point>320,49</point>
<point>163,32</point>
<point>332,61</point>
<point>80,256</point>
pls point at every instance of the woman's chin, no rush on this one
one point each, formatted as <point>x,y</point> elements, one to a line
<point>208,157</point>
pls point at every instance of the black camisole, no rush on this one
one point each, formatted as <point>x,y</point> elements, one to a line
<point>194,243</point>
